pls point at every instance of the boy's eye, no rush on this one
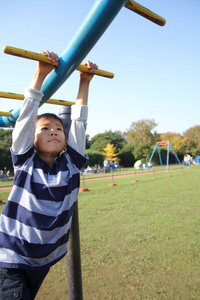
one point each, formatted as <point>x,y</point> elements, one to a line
<point>44,128</point>
<point>59,128</point>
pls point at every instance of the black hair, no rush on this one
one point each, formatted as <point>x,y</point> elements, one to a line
<point>50,116</point>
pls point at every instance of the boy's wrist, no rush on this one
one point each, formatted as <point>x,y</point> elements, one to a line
<point>38,79</point>
<point>86,77</point>
<point>82,97</point>
<point>84,83</point>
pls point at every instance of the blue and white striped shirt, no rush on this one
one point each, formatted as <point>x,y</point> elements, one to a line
<point>36,220</point>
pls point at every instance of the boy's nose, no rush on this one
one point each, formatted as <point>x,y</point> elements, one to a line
<point>53,132</point>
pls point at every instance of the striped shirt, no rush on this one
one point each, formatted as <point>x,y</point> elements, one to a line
<point>36,220</point>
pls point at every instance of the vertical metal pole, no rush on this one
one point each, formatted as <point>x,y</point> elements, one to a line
<point>135,180</point>
<point>112,177</point>
<point>83,181</point>
<point>154,177</point>
<point>135,175</point>
<point>176,155</point>
<point>167,156</point>
<point>65,115</point>
<point>151,156</point>
<point>160,157</point>
<point>74,278</point>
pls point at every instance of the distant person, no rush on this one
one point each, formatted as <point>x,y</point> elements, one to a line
<point>88,170</point>
<point>187,160</point>
<point>5,175</point>
<point>105,165</point>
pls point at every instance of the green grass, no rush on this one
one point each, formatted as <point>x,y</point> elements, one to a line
<point>138,240</point>
<point>130,171</point>
<point>3,182</point>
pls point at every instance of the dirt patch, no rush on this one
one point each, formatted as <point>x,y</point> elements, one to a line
<point>5,187</point>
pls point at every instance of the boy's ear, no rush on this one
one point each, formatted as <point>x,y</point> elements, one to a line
<point>65,147</point>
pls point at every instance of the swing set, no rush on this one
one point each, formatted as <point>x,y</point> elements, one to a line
<point>162,143</point>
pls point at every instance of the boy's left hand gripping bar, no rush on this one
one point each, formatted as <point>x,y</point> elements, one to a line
<point>40,57</point>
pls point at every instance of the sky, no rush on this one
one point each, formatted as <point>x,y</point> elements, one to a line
<point>157,69</point>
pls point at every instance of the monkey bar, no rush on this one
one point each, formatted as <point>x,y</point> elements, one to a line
<point>5,114</point>
<point>40,57</point>
<point>97,21</point>
<point>145,12</point>
<point>21,97</point>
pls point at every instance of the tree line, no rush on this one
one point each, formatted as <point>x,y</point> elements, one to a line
<point>136,143</point>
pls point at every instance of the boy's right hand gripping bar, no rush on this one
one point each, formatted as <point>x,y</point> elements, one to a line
<point>37,56</point>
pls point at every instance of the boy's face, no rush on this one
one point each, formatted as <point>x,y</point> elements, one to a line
<point>49,137</point>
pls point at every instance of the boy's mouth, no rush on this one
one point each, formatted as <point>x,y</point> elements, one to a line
<point>54,141</point>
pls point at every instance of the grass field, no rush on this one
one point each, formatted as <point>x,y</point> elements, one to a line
<point>139,240</point>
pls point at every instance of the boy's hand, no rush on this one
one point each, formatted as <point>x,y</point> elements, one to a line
<point>85,78</point>
<point>43,69</point>
<point>91,67</point>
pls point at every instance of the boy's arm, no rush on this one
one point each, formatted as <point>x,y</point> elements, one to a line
<point>24,131</point>
<point>85,78</point>
<point>79,113</point>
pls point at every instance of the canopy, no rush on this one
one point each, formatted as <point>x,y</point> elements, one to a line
<point>197,159</point>
<point>138,163</point>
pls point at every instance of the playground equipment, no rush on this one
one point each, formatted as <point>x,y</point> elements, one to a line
<point>97,21</point>
<point>99,18</point>
<point>5,114</point>
<point>135,180</point>
<point>21,97</point>
<point>162,143</point>
<point>144,12</point>
<point>112,184</point>
<point>40,57</point>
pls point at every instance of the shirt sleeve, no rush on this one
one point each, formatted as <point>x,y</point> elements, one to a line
<point>77,132</point>
<point>24,131</point>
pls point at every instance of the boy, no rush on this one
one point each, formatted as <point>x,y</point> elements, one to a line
<point>36,220</point>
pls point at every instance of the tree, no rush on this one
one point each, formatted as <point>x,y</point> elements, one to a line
<point>193,140</point>
<point>126,157</point>
<point>140,132</point>
<point>99,141</point>
<point>142,151</point>
<point>110,153</point>
<point>178,142</point>
<point>87,142</point>
<point>95,158</point>
<point>5,144</point>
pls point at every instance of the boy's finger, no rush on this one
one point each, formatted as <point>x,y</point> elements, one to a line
<point>46,53</point>
<point>50,55</point>
<point>91,66</point>
<point>42,52</point>
<point>54,56</point>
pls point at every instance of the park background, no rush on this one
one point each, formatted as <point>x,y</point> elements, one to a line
<point>156,68</point>
<point>151,250</point>
<point>139,240</point>
<point>154,94</point>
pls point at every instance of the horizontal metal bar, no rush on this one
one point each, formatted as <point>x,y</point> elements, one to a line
<point>5,114</point>
<point>145,12</point>
<point>21,97</point>
<point>40,57</point>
